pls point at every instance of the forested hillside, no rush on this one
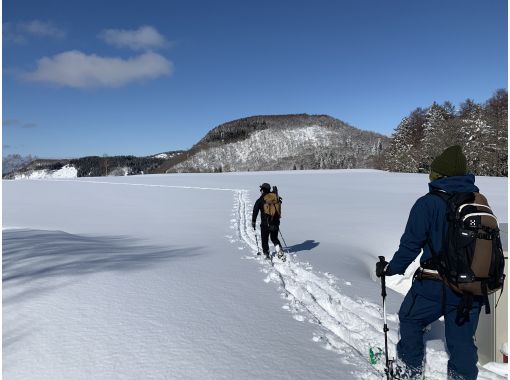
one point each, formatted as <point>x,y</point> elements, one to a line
<point>481,129</point>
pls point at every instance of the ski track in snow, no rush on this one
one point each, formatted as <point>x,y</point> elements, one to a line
<point>347,326</point>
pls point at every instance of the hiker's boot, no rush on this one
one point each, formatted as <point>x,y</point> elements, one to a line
<point>279,252</point>
<point>399,371</point>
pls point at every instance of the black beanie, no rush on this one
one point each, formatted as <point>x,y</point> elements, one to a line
<point>265,187</point>
<point>451,162</point>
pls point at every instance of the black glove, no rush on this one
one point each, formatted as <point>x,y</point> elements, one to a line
<point>381,269</point>
<point>253,225</point>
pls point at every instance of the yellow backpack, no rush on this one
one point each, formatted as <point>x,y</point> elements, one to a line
<point>273,205</point>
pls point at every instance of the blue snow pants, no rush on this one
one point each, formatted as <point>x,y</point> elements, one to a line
<point>423,305</point>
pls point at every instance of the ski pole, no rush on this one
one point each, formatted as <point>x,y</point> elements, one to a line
<point>385,329</point>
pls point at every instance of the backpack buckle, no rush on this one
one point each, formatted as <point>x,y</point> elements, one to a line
<point>464,277</point>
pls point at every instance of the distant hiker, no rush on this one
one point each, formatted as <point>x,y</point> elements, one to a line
<point>434,225</point>
<point>269,205</point>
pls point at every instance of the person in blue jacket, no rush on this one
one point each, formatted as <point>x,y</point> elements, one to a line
<point>429,299</point>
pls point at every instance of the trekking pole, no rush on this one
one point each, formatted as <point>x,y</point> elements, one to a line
<point>385,328</point>
<point>257,240</point>
<point>280,231</point>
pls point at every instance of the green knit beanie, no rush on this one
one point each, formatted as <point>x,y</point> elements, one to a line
<point>433,175</point>
<point>451,162</point>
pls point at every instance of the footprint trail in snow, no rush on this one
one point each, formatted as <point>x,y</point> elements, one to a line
<point>347,326</point>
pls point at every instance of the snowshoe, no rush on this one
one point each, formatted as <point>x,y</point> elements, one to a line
<point>280,253</point>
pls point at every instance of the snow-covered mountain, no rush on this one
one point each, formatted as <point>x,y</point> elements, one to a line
<point>89,166</point>
<point>257,143</point>
<point>281,142</point>
<point>167,155</point>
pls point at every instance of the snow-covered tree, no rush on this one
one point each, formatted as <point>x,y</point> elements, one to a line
<point>436,136</point>
<point>474,134</point>
<point>496,114</point>
<point>480,129</point>
<point>13,162</point>
<point>401,154</point>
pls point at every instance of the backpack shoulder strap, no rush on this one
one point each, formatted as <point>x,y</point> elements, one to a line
<point>442,194</point>
<point>454,200</point>
<point>446,197</point>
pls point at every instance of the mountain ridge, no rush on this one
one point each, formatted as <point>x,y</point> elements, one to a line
<point>239,130</point>
<point>337,145</point>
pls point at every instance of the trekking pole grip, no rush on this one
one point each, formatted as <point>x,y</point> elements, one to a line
<point>383,278</point>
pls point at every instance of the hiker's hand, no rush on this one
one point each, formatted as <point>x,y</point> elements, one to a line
<point>381,269</point>
<point>253,225</point>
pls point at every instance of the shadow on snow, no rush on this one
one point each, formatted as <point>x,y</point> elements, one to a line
<point>35,262</point>
<point>30,255</point>
<point>307,245</point>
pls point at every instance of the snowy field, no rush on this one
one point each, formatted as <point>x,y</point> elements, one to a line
<point>156,276</point>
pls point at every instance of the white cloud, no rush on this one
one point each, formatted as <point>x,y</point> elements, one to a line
<point>20,32</point>
<point>76,69</point>
<point>144,38</point>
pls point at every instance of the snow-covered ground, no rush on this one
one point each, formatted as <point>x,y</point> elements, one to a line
<point>67,171</point>
<point>156,276</point>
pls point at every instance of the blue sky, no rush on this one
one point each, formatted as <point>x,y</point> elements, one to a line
<point>131,77</point>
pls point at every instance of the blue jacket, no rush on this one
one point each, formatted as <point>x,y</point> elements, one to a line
<point>427,222</point>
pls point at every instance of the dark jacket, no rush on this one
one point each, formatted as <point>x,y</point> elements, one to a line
<point>427,223</point>
<point>259,206</point>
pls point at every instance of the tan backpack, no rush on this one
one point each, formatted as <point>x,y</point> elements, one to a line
<point>273,205</point>
<point>471,260</point>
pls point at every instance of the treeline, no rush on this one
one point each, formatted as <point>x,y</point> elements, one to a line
<point>232,132</point>
<point>95,166</point>
<point>481,129</point>
<point>13,162</point>
<point>240,129</point>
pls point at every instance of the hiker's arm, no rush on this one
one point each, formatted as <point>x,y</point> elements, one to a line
<point>413,239</point>
<point>255,213</point>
